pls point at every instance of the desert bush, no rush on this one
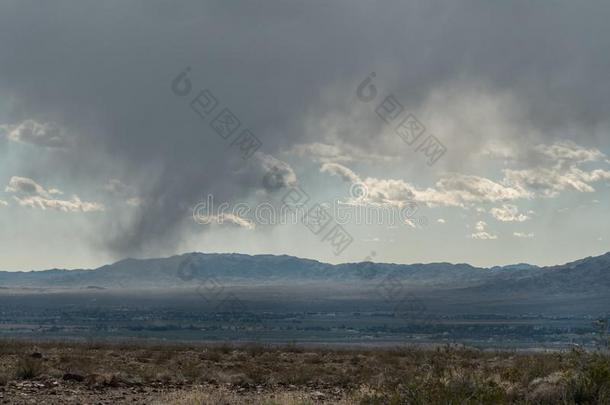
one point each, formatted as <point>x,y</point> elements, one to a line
<point>292,348</point>
<point>4,379</point>
<point>78,363</point>
<point>225,348</point>
<point>213,356</point>
<point>28,368</point>
<point>162,356</point>
<point>591,384</point>
<point>300,375</point>
<point>255,349</point>
<point>191,369</point>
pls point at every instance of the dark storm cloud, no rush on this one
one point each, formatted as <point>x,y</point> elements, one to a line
<point>103,72</point>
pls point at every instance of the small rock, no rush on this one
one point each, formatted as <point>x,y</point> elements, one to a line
<point>73,377</point>
<point>318,395</point>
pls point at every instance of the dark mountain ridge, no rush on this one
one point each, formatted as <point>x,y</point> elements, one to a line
<point>589,274</point>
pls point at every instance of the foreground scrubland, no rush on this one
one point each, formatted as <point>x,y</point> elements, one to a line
<point>105,373</point>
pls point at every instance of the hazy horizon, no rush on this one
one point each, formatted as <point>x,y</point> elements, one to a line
<point>299,257</point>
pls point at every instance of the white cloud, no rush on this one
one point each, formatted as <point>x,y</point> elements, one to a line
<point>460,190</point>
<point>523,235</point>
<point>483,236</point>
<point>3,203</point>
<point>321,152</point>
<point>480,226</point>
<point>508,213</point>
<point>226,219</point>
<point>441,221</point>
<point>549,182</point>
<point>342,152</point>
<point>55,191</point>
<point>25,186</point>
<point>570,152</point>
<point>277,173</point>
<point>42,134</point>
<point>411,222</point>
<point>452,190</point>
<point>134,201</point>
<point>481,233</point>
<point>341,171</point>
<point>28,193</point>
<point>555,170</point>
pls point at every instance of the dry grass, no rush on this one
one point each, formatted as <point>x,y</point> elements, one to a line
<point>258,374</point>
<point>223,396</point>
<point>28,368</point>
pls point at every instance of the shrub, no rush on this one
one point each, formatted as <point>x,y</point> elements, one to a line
<point>28,368</point>
<point>4,379</point>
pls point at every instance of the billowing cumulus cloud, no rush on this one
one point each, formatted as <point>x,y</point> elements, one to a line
<point>481,232</point>
<point>25,186</point>
<point>339,170</point>
<point>558,167</point>
<point>28,193</point>
<point>225,219</point>
<point>371,191</point>
<point>557,170</point>
<point>508,213</point>
<point>551,181</point>
<point>41,134</point>
<point>452,190</point>
<point>277,174</point>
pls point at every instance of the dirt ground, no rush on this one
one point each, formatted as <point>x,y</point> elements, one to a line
<point>105,373</point>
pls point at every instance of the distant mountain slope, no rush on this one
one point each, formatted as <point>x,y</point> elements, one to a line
<point>579,276</point>
<point>588,275</point>
<point>183,269</point>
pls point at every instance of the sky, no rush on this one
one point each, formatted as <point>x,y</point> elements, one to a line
<point>424,131</point>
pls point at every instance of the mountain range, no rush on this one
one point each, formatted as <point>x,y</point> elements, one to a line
<point>588,275</point>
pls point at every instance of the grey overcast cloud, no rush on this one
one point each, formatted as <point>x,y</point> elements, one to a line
<point>341,131</point>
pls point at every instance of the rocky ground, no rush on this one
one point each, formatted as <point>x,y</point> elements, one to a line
<point>94,373</point>
<point>62,392</point>
<point>51,391</point>
<point>106,390</point>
